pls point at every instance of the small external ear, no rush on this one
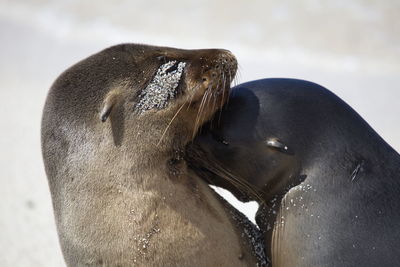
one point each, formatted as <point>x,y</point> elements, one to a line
<point>106,111</point>
<point>109,102</point>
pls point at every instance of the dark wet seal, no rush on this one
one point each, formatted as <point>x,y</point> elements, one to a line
<point>328,185</point>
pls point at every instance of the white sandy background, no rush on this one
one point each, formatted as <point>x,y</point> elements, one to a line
<point>349,46</point>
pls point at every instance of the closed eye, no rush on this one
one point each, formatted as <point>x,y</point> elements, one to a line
<point>172,68</point>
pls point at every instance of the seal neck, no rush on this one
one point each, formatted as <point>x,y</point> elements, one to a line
<point>345,149</point>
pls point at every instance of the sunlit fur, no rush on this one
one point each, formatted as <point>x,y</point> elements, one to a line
<point>118,177</point>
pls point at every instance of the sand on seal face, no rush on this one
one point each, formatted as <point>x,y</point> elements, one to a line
<point>356,57</point>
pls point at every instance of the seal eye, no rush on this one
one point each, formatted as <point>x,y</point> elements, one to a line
<point>278,145</point>
<point>162,87</point>
<point>172,68</point>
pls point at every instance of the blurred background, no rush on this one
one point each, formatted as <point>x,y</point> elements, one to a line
<point>351,47</point>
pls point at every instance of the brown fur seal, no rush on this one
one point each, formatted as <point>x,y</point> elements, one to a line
<point>329,185</point>
<point>114,130</point>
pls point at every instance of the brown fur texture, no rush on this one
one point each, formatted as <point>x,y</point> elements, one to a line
<point>121,191</point>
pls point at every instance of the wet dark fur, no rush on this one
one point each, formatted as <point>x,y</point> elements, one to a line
<point>331,199</point>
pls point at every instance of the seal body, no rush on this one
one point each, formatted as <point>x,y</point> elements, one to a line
<point>328,185</point>
<point>114,129</point>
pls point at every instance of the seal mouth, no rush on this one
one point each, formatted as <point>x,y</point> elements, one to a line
<point>162,87</point>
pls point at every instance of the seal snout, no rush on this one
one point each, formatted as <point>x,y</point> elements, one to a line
<point>226,63</point>
<point>220,70</point>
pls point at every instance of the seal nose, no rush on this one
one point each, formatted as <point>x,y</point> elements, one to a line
<point>219,67</point>
<point>228,61</point>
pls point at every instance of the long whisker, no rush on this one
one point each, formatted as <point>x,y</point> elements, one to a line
<point>208,98</point>
<point>239,74</point>
<point>223,96</point>
<point>202,101</point>
<point>223,89</point>
<point>236,79</point>
<point>213,107</point>
<point>234,84</point>
<point>169,124</point>
<point>240,183</point>
<point>194,89</point>
<point>199,159</point>
<point>202,106</point>
<point>198,112</point>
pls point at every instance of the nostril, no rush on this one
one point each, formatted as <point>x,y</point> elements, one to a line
<point>204,79</point>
